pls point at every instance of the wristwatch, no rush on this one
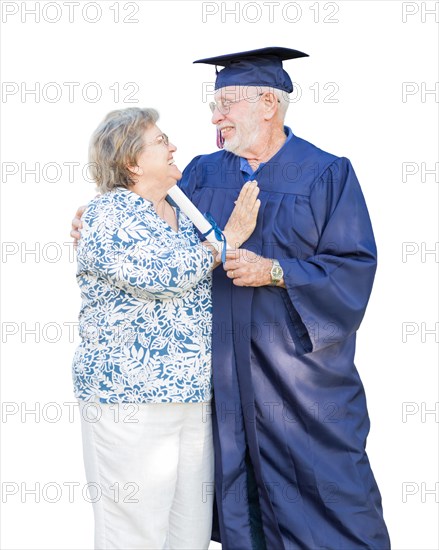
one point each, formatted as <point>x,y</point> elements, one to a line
<point>277,273</point>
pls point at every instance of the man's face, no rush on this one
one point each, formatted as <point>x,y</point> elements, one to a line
<point>239,122</point>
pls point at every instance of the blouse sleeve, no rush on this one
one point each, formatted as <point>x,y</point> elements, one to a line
<point>140,265</point>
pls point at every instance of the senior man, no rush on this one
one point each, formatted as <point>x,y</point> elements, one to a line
<point>289,417</point>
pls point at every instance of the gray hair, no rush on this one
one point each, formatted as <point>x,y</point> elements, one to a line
<point>116,144</point>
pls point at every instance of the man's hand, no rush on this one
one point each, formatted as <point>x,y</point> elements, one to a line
<point>242,221</point>
<point>77,225</point>
<point>247,268</point>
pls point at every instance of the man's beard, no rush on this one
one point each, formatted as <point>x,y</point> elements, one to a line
<point>244,138</point>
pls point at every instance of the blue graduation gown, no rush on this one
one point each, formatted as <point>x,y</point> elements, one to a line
<point>290,417</point>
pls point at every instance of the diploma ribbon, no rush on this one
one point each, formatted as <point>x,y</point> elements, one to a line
<point>219,235</point>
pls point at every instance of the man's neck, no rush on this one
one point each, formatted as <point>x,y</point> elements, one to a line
<point>263,154</point>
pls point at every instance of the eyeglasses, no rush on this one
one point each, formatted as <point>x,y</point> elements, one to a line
<point>224,105</point>
<point>160,139</point>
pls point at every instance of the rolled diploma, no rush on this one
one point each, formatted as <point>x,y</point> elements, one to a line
<point>194,215</point>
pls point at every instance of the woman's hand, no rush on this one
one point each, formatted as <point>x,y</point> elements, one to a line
<point>77,225</point>
<point>242,221</point>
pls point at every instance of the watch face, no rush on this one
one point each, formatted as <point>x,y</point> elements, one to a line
<point>276,273</point>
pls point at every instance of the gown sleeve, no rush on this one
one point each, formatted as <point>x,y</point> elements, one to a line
<point>329,291</point>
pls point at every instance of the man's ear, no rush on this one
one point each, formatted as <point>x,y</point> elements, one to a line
<point>271,105</point>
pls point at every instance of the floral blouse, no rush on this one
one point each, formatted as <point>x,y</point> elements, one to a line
<point>146,316</point>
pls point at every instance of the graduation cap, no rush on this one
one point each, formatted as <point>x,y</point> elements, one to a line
<point>261,67</point>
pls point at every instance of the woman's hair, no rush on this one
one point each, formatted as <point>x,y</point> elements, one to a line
<point>116,144</point>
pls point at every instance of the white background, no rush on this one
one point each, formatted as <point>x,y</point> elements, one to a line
<point>367,50</point>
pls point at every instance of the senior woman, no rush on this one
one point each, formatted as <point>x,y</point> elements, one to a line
<point>145,324</point>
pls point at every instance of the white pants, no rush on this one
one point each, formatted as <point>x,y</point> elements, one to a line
<point>149,469</point>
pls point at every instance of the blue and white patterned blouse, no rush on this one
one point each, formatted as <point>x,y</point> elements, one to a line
<point>146,315</point>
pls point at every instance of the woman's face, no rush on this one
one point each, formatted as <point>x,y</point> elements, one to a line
<point>155,162</point>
